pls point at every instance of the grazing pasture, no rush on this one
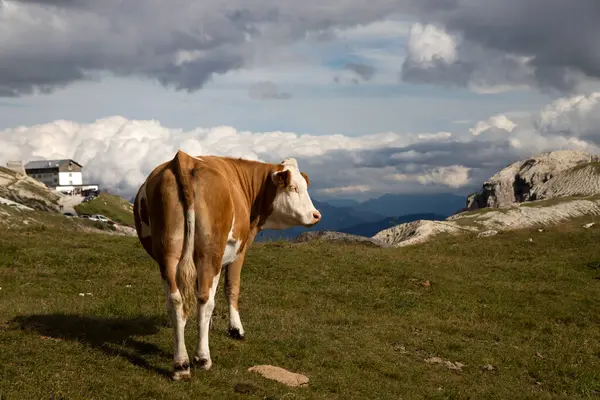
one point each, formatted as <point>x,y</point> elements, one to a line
<point>82,315</point>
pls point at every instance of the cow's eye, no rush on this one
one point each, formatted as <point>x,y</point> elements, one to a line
<point>294,189</point>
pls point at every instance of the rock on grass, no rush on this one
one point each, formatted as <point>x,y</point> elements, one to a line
<point>281,375</point>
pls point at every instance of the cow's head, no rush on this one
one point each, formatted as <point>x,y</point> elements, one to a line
<point>292,205</point>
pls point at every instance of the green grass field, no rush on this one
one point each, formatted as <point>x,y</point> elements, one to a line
<point>109,205</point>
<point>357,321</point>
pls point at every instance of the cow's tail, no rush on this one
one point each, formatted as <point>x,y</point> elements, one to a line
<point>186,269</point>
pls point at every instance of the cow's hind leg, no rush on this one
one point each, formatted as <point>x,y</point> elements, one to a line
<point>208,280</point>
<point>232,292</point>
<point>181,363</point>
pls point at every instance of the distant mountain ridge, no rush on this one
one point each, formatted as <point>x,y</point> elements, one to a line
<point>391,205</point>
<point>369,229</point>
<point>372,216</point>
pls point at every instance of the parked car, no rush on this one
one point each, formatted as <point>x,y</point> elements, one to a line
<point>68,214</point>
<point>99,218</point>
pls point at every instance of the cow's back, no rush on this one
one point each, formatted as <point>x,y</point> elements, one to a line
<point>159,214</point>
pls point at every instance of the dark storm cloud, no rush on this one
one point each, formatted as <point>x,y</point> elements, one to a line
<point>560,36</point>
<point>183,43</point>
<point>560,33</point>
<point>180,43</point>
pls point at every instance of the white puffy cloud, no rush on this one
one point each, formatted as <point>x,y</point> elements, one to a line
<point>497,121</point>
<point>428,43</point>
<point>437,56</point>
<point>577,116</point>
<point>453,176</point>
<point>118,153</point>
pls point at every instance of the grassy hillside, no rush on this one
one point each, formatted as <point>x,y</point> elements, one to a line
<point>109,205</point>
<point>521,316</point>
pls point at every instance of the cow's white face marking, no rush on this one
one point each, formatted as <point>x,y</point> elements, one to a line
<point>292,205</point>
<point>231,247</point>
<point>146,231</point>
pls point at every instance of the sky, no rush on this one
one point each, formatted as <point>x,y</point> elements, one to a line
<point>386,96</point>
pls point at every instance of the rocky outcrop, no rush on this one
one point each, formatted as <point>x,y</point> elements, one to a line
<point>27,191</point>
<point>547,175</point>
<point>332,236</point>
<point>543,190</point>
<point>489,222</point>
<point>544,212</point>
<point>418,232</point>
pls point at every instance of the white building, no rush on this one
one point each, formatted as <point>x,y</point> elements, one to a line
<point>62,175</point>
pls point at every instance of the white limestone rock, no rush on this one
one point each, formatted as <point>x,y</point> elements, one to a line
<point>547,175</point>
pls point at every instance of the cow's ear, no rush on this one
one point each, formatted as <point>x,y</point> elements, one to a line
<point>305,178</point>
<point>282,178</point>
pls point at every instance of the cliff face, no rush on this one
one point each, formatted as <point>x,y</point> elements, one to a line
<point>541,191</point>
<point>547,175</point>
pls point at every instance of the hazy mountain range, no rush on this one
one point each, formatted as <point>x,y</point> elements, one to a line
<point>369,217</point>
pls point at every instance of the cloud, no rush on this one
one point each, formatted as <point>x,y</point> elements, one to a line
<point>364,71</point>
<point>497,121</point>
<point>576,116</point>
<point>118,153</point>
<point>49,44</point>
<point>453,176</point>
<point>487,46</point>
<point>345,189</point>
<point>435,56</point>
<point>427,43</point>
<point>390,29</point>
<point>266,90</point>
<point>354,73</point>
<point>515,44</point>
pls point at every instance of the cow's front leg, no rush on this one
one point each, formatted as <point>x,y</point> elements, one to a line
<point>181,363</point>
<point>207,287</point>
<point>232,292</point>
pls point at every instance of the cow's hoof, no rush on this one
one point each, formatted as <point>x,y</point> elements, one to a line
<point>203,363</point>
<point>236,334</point>
<point>181,372</point>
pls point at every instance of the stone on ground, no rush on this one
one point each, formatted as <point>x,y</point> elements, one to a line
<point>281,375</point>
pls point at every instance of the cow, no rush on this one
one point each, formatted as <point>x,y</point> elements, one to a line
<point>197,216</point>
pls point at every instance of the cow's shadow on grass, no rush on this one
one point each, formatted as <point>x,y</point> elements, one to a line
<point>113,336</point>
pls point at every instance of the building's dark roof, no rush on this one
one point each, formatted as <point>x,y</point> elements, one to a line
<point>41,164</point>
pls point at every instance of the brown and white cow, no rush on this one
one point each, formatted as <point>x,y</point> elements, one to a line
<point>195,216</point>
